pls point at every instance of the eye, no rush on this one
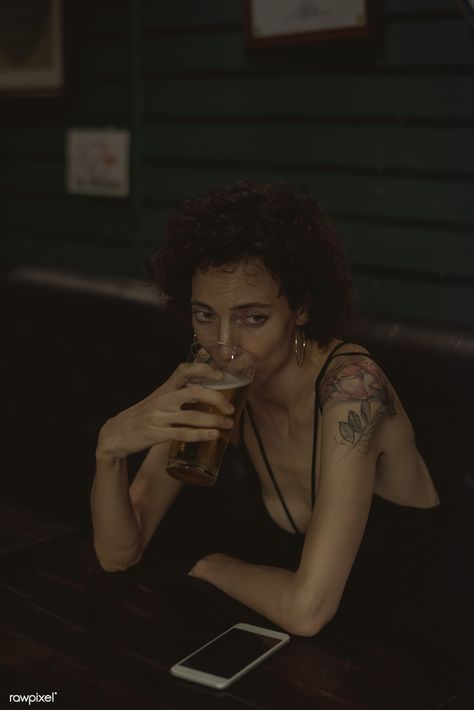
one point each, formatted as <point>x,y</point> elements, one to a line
<point>203,316</point>
<point>254,319</point>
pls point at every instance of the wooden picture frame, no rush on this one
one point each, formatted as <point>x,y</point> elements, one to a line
<point>31,47</point>
<point>292,22</point>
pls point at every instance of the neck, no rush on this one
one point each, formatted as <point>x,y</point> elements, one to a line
<point>291,386</point>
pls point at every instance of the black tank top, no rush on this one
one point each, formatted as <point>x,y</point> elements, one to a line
<point>395,562</point>
<point>317,407</point>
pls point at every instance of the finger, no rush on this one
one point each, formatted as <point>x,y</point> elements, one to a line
<point>198,393</point>
<point>191,434</point>
<point>186,370</point>
<point>203,420</point>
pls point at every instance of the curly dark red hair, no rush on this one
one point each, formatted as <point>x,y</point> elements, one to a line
<point>273,221</point>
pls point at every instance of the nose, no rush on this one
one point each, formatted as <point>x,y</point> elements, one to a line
<point>226,334</point>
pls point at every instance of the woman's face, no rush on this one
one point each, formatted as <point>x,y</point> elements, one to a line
<point>241,305</point>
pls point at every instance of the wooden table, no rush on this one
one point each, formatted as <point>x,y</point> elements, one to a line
<point>104,640</point>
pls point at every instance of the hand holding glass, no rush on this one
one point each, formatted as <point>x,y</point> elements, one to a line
<point>199,462</point>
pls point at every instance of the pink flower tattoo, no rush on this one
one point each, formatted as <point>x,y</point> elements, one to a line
<point>359,381</point>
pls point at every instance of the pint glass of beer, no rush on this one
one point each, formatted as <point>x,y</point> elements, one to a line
<point>198,462</point>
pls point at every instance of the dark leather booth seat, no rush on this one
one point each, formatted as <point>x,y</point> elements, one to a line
<point>77,349</point>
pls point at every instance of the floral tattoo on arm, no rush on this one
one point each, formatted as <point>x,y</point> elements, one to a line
<point>361,382</point>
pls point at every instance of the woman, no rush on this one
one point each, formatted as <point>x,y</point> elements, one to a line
<point>324,438</point>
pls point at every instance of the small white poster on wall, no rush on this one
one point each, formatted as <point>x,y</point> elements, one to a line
<point>97,162</point>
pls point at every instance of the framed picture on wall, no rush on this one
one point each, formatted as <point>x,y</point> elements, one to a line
<point>279,22</point>
<point>31,47</point>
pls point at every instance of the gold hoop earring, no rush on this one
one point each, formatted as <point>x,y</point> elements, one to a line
<point>300,347</point>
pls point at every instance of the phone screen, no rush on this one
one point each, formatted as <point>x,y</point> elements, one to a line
<point>231,652</point>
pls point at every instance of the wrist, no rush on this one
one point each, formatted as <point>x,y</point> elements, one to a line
<point>107,450</point>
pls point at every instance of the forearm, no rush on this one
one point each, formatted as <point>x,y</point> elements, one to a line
<point>117,534</point>
<point>270,591</point>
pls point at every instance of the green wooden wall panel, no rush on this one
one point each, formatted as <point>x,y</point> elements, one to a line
<point>32,141</point>
<point>426,302</point>
<point>445,43</point>
<point>68,254</point>
<point>189,13</point>
<point>98,100</point>
<point>396,97</point>
<point>423,250</point>
<point>386,145</point>
<point>188,52</point>
<point>378,147</point>
<point>98,18</point>
<point>402,198</point>
<point>27,175</point>
<point>81,216</point>
<point>104,55</point>
<point>152,224</point>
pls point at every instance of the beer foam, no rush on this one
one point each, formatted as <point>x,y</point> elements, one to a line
<point>228,382</point>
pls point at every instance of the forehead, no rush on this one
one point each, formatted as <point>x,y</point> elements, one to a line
<point>246,281</point>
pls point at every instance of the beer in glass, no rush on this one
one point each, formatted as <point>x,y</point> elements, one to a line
<point>198,462</point>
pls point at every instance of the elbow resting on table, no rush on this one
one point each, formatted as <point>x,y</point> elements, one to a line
<point>116,564</point>
<point>307,625</point>
<point>308,618</point>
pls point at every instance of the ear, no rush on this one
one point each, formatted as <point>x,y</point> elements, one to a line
<point>302,316</point>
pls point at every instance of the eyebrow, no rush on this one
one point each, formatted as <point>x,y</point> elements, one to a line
<point>240,307</point>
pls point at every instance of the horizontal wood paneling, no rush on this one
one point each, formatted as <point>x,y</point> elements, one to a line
<point>97,18</point>
<point>85,217</point>
<point>408,246</point>
<point>381,148</point>
<point>105,55</point>
<point>404,97</point>
<point>414,299</point>
<point>445,43</point>
<point>189,13</point>
<point>46,141</point>
<point>28,175</point>
<point>98,101</point>
<point>404,198</point>
<point>384,139</point>
<point>39,221</point>
<point>69,254</point>
<point>376,147</point>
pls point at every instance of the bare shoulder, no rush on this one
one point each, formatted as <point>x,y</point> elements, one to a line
<point>357,390</point>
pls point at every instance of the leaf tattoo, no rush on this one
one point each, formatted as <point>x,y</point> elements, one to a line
<point>365,411</point>
<point>361,381</point>
<point>355,422</point>
<point>347,431</point>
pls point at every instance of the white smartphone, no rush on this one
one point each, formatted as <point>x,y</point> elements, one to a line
<point>227,657</point>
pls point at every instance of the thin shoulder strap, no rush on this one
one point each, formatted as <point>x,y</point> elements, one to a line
<point>315,420</point>
<point>269,469</point>
<point>324,368</point>
<point>326,365</point>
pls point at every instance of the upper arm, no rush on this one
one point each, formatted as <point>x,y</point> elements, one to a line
<point>153,491</point>
<point>356,399</point>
